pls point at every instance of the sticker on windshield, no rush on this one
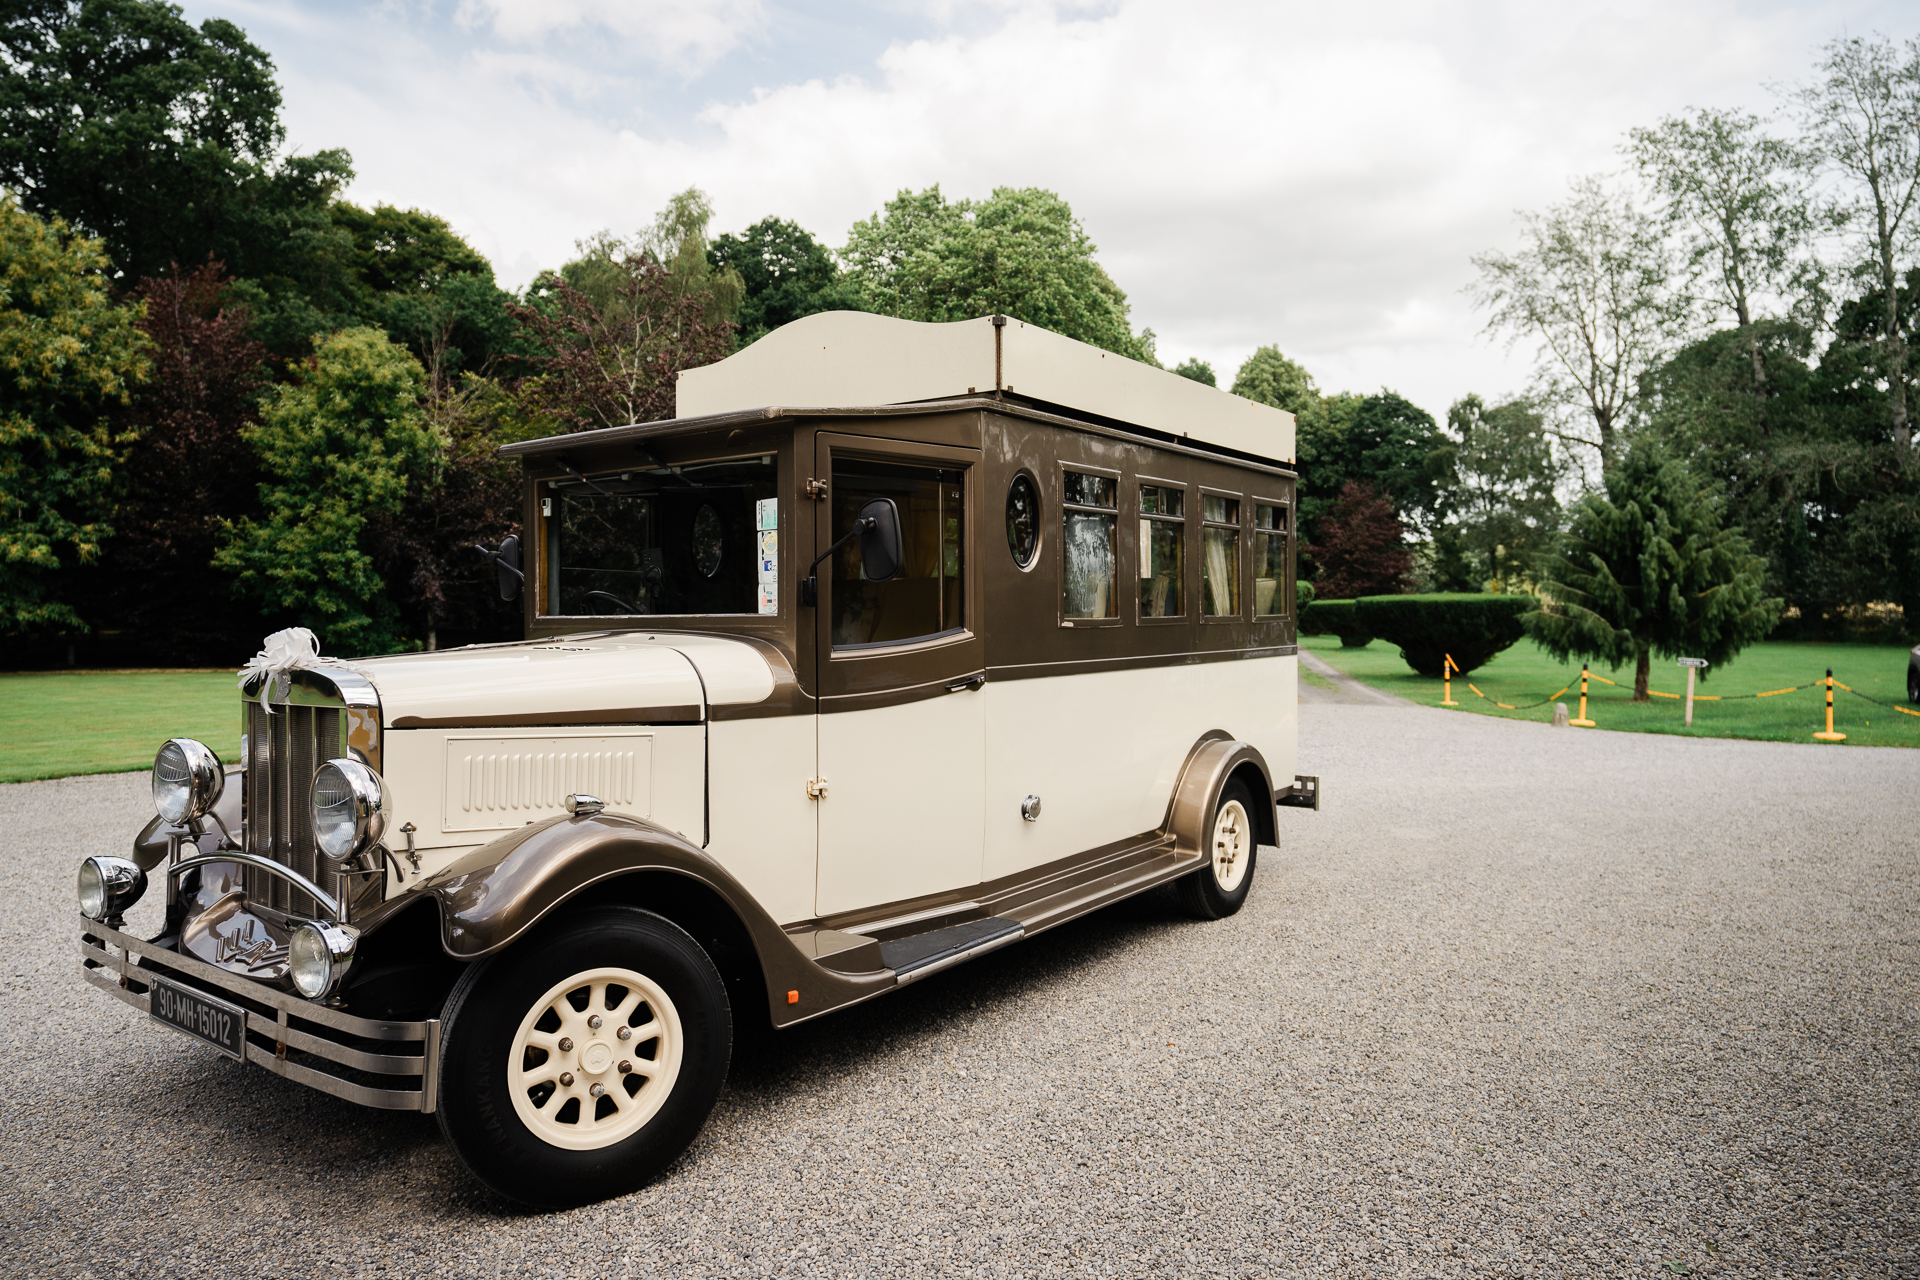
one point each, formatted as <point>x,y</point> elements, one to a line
<point>767,518</point>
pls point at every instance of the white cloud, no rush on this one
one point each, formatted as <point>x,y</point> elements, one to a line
<point>686,34</point>
<point>1317,177</point>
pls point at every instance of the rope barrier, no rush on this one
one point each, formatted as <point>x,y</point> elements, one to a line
<point>1698,697</point>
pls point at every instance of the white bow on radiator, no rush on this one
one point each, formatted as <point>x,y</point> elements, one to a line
<point>283,653</point>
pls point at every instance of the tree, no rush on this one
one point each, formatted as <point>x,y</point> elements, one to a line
<point>676,241</point>
<point>1740,202</point>
<point>1360,547</point>
<point>1497,477</point>
<point>1862,117</point>
<point>1590,286</point>
<point>187,469</point>
<point>1649,566</point>
<point>160,138</point>
<point>615,362</point>
<point>68,355</point>
<point>342,445</point>
<point>1020,252</point>
<point>1198,370</point>
<point>1270,378</point>
<point>785,274</point>
<point>1382,441</point>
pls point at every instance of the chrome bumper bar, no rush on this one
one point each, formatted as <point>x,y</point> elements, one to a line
<point>288,1036</point>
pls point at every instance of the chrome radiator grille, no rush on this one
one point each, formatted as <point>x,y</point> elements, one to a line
<point>283,750</point>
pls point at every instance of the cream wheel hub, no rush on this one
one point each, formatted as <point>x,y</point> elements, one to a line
<point>1232,845</point>
<point>558,1066</point>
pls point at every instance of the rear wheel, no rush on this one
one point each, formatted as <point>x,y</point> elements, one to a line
<point>577,1065</point>
<point>1220,886</point>
<point>1913,685</point>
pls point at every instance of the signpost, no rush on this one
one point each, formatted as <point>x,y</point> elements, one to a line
<point>1692,665</point>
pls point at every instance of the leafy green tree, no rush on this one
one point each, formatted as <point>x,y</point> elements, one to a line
<point>676,241</point>
<point>342,445</point>
<point>161,138</point>
<point>68,354</point>
<point>1270,378</point>
<point>1198,370</point>
<point>1862,118</point>
<point>785,273</point>
<point>1649,566</point>
<point>1591,286</point>
<point>1020,252</point>
<point>1497,479</point>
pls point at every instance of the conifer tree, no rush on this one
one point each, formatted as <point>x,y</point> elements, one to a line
<point>1647,566</point>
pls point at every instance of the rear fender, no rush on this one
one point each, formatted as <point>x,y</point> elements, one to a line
<point>1216,759</point>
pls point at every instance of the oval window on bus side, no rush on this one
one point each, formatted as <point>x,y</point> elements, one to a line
<point>1023,519</point>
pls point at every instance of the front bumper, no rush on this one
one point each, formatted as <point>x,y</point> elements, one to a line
<point>391,1065</point>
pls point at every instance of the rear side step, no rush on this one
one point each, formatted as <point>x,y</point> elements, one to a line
<point>918,955</point>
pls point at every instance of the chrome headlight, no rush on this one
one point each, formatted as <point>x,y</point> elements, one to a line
<point>187,780</point>
<point>318,956</point>
<point>349,808</point>
<point>108,886</point>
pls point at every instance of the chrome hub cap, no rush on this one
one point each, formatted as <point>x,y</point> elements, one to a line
<point>1232,843</point>
<point>565,1085</point>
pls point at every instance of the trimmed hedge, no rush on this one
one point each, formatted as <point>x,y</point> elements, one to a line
<point>1334,618</point>
<point>1470,627</point>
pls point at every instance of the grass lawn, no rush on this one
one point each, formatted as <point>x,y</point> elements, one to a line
<point>1526,674</point>
<point>57,723</point>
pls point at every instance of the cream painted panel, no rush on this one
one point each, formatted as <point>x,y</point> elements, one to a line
<point>1103,750</point>
<point>763,821</point>
<point>1042,365</point>
<point>732,673</point>
<point>845,358</point>
<point>560,677</point>
<point>435,785</point>
<point>902,812</point>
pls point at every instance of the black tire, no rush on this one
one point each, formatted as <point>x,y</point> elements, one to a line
<point>484,1014</point>
<point>1913,685</point>
<point>1201,893</point>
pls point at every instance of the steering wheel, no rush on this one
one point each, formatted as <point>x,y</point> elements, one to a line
<point>620,606</point>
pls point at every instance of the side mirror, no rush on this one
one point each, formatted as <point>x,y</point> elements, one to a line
<point>507,561</point>
<point>881,552</point>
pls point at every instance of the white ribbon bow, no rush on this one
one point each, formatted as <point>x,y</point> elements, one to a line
<point>284,652</point>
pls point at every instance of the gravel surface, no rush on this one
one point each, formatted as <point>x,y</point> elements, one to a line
<point>1519,1000</point>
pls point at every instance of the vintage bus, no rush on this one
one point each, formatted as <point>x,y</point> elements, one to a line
<point>900,643</point>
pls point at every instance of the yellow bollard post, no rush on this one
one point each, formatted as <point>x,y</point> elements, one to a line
<point>1583,722</point>
<point>1447,669</point>
<point>1830,735</point>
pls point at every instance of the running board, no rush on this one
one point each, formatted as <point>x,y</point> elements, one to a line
<point>918,955</point>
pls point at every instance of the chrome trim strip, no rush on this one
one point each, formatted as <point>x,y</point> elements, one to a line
<point>991,944</point>
<point>320,895</point>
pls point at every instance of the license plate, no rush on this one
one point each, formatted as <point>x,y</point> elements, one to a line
<point>222,1025</point>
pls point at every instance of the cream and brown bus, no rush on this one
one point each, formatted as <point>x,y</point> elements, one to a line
<point>900,643</point>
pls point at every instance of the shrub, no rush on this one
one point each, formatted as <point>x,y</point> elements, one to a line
<point>1427,628</point>
<point>1303,593</point>
<point>1334,618</point>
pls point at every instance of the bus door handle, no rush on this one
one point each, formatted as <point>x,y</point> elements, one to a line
<point>974,681</point>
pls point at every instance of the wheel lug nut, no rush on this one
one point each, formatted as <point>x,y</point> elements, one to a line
<point>625,1033</point>
<point>594,1022</point>
<point>598,1090</point>
<point>566,1044</point>
<point>625,1066</point>
<point>566,1078</point>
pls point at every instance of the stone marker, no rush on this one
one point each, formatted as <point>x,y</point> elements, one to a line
<point>1559,715</point>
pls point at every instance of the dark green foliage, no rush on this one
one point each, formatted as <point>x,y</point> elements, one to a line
<point>1470,627</point>
<point>787,273</point>
<point>1382,441</point>
<point>1649,566</point>
<point>1197,369</point>
<point>1334,618</point>
<point>1495,482</point>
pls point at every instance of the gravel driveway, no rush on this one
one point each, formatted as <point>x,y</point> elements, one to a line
<point>1519,1000</point>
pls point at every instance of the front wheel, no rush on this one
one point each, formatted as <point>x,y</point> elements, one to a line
<point>581,1062</point>
<point>1219,887</point>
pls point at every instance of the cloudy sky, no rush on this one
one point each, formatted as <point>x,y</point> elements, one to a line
<point>1311,175</point>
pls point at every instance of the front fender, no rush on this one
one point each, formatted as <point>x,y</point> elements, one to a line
<point>496,894</point>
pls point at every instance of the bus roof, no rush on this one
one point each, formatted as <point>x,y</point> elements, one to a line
<point>840,358</point>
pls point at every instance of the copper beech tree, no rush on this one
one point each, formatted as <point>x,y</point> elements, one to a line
<point>1361,548</point>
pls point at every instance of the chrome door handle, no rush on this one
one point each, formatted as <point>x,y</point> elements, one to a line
<point>974,681</point>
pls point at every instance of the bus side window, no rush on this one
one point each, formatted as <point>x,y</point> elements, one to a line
<point>1269,559</point>
<point>1219,556</point>
<point>1089,521</point>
